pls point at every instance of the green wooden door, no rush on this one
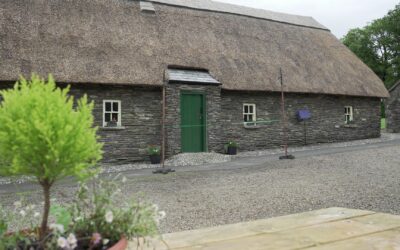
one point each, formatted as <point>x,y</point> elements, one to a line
<point>193,122</point>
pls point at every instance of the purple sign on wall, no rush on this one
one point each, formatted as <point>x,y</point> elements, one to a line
<point>303,115</point>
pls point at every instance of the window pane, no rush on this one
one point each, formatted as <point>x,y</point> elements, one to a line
<point>115,117</point>
<point>251,109</point>
<point>246,109</point>
<point>250,118</point>
<point>115,106</point>
<point>107,117</point>
<point>245,118</point>
<point>108,106</point>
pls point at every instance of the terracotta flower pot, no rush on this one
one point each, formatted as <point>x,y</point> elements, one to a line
<point>122,244</point>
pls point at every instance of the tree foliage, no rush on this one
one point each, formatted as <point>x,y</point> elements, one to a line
<point>42,135</point>
<point>378,46</point>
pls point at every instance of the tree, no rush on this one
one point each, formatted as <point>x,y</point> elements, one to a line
<point>378,46</point>
<point>42,135</point>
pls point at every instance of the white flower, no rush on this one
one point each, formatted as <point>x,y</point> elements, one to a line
<point>57,227</point>
<point>84,187</point>
<point>159,216</point>
<point>105,241</point>
<point>79,218</point>
<point>72,241</point>
<point>109,217</point>
<point>155,207</point>
<point>123,179</point>
<point>36,214</point>
<point>162,215</point>
<point>22,213</point>
<point>62,242</point>
<point>17,204</point>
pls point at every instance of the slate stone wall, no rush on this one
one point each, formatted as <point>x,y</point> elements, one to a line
<point>393,111</point>
<point>141,120</point>
<point>326,125</point>
<point>214,137</point>
<point>142,112</point>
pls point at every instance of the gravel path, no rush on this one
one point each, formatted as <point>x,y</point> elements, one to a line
<point>202,159</point>
<point>365,179</point>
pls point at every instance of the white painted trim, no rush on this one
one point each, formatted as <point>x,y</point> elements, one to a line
<point>350,113</point>
<point>119,123</point>
<point>254,114</point>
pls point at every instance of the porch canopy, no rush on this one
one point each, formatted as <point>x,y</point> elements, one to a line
<point>191,76</point>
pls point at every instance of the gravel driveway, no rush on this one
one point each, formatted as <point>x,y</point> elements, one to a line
<point>365,179</point>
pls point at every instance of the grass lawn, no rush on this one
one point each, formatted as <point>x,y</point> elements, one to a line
<point>383,123</point>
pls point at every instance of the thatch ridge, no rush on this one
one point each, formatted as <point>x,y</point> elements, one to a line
<point>220,7</point>
<point>111,41</point>
<point>394,86</point>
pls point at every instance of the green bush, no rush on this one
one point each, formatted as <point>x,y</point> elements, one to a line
<point>42,135</point>
<point>231,144</point>
<point>154,150</point>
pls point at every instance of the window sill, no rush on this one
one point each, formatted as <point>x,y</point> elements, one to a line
<point>113,128</point>
<point>251,126</point>
<point>350,126</point>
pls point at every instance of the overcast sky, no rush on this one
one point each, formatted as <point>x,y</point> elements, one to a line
<point>338,15</point>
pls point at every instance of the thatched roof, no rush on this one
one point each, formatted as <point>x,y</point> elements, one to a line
<point>394,86</point>
<point>113,42</point>
<point>209,5</point>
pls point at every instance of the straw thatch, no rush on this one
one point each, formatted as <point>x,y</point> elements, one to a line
<point>221,7</point>
<point>112,42</point>
<point>394,86</point>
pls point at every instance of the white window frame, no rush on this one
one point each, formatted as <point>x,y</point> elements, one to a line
<point>254,114</point>
<point>348,114</point>
<point>119,122</point>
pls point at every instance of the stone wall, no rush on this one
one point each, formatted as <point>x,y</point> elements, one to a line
<point>142,111</point>
<point>326,125</point>
<point>141,120</point>
<point>393,111</point>
<point>214,138</point>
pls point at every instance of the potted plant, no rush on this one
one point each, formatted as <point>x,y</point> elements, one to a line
<point>231,148</point>
<point>55,140</point>
<point>154,154</point>
<point>92,221</point>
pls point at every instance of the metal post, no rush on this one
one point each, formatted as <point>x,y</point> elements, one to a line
<point>163,170</point>
<point>284,122</point>
<point>163,128</point>
<point>305,132</point>
<point>283,113</point>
